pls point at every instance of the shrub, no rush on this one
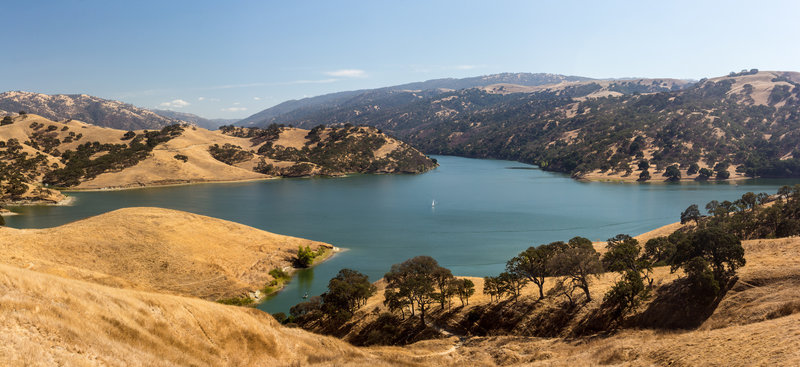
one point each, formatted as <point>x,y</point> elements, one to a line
<point>181,157</point>
<point>229,153</point>
<point>237,301</point>
<point>644,176</point>
<point>305,256</point>
<point>280,317</point>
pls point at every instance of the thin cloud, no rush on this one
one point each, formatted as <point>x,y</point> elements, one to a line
<point>176,103</point>
<point>347,73</point>
<point>319,81</point>
<point>465,67</point>
<point>234,109</point>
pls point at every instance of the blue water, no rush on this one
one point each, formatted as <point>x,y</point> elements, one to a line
<point>486,212</point>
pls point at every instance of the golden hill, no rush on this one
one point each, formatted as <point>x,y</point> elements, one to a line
<point>55,312</point>
<point>34,149</point>
<point>155,249</point>
<point>47,320</point>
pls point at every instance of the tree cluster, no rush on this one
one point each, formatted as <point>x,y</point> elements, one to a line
<point>574,262</point>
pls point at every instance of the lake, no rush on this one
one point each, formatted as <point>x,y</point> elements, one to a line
<point>486,212</point>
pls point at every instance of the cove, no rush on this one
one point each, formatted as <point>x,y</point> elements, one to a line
<point>486,212</point>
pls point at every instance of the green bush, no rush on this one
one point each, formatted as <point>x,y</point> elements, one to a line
<point>237,301</point>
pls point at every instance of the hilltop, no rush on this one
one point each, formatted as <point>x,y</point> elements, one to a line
<point>73,154</point>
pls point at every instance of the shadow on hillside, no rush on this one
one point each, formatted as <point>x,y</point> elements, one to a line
<point>388,329</point>
<point>676,307</point>
<point>526,316</point>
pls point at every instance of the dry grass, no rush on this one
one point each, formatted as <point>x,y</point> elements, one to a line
<point>155,249</point>
<point>162,168</point>
<point>54,320</point>
<point>47,320</point>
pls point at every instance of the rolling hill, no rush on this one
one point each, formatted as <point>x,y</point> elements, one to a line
<point>158,250</point>
<point>73,154</point>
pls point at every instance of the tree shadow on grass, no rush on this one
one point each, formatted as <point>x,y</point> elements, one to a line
<point>676,306</point>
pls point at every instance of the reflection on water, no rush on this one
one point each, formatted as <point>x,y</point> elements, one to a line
<point>483,214</point>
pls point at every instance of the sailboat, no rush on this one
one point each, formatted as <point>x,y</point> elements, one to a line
<point>433,204</point>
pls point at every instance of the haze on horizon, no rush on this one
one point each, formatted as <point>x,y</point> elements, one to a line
<point>234,59</point>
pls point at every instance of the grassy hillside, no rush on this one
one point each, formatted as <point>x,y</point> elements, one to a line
<point>156,249</point>
<point>73,154</point>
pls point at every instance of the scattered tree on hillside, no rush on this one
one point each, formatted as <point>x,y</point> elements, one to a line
<point>532,264</point>
<point>464,288</point>
<point>659,250</point>
<point>720,248</point>
<point>415,281</point>
<point>692,213</point>
<point>623,256</point>
<point>704,174</point>
<point>578,261</point>
<point>672,173</point>
<point>394,301</point>
<point>512,283</point>
<point>693,168</point>
<point>644,176</point>
<point>442,278</point>
<point>491,286</point>
<point>347,292</point>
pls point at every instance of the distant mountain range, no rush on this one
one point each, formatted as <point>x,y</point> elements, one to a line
<point>211,124</point>
<point>398,94</point>
<point>742,124</point>
<point>89,109</point>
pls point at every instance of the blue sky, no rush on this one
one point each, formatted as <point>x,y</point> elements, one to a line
<point>234,58</point>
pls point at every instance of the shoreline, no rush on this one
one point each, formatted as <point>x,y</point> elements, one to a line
<point>149,186</point>
<point>258,297</point>
<point>626,180</point>
<point>68,200</point>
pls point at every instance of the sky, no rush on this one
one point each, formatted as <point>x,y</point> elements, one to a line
<point>231,59</point>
